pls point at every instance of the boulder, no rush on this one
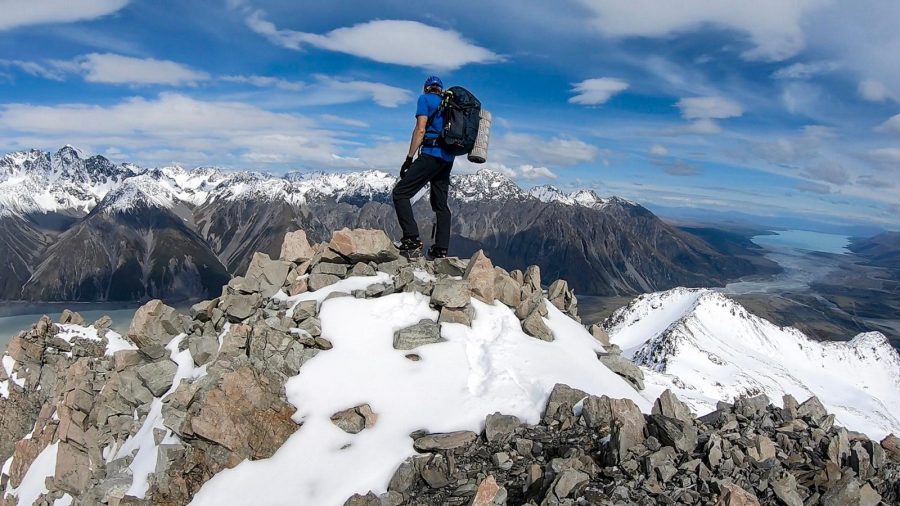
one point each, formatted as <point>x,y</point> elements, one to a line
<point>444,441</point>
<point>480,275</point>
<point>596,411</point>
<point>420,334</point>
<point>463,315</point>
<point>239,306</point>
<point>157,376</point>
<point>506,289</point>
<point>731,494</point>
<point>296,247</point>
<point>266,274</point>
<point>450,266</point>
<point>355,419</point>
<point>489,493</point>
<point>561,404</point>
<point>339,270</point>
<point>532,302</point>
<point>669,405</point>
<point>72,317</point>
<point>498,428</point>
<point>153,325</point>
<point>599,333</point>
<point>318,281</point>
<point>73,469</point>
<point>843,492</point>
<point>450,293</point>
<point>891,444</point>
<point>673,432</point>
<point>532,281</point>
<point>785,487</point>
<point>628,426</point>
<point>534,326</point>
<point>361,245</point>
<point>556,294</point>
<point>624,368</point>
<point>813,409</point>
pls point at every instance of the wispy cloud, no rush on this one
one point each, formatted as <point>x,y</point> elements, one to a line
<point>597,91</point>
<point>19,13</point>
<point>398,42</point>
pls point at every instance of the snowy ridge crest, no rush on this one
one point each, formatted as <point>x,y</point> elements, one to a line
<point>706,347</point>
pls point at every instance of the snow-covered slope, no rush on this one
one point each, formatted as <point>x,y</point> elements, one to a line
<point>492,366</point>
<point>706,348</point>
<point>584,198</point>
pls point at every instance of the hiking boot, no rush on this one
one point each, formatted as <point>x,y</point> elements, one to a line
<point>410,247</point>
<point>435,252</point>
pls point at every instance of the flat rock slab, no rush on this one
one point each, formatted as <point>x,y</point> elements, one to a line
<point>420,334</point>
<point>444,441</point>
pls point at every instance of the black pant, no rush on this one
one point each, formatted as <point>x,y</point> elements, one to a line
<point>426,169</point>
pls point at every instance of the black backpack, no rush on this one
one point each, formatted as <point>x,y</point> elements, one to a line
<point>461,112</point>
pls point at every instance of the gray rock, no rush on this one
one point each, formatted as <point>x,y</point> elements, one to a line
<point>318,281</point>
<point>203,348</point>
<point>305,309</point>
<point>404,477</point>
<point>355,419</point>
<point>362,269</point>
<point>450,266</point>
<point>296,248</point>
<point>361,245</point>
<point>556,294</point>
<point>269,275</point>
<point>436,472</point>
<point>628,426</point>
<point>498,428</point>
<point>561,404</point>
<point>444,441</point>
<point>784,485</point>
<point>569,482</point>
<point>153,325</point>
<point>750,406</point>
<point>238,306</point>
<point>534,326</point>
<point>532,302</point>
<point>420,334</point>
<point>104,322</point>
<point>596,411</point>
<point>599,333</point>
<point>506,289</point>
<point>669,405</point>
<point>790,407</point>
<point>310,326</point>
<point>451,293</point>
<point>339,270</point>
<point>868,496</point>
<point>392,267</point>
<point>463,315</point>
<point>369,499</point>
<point>813,409</point>
<point>72,317</point>
<point>624,368</point>
<point>673,432</point>
<point>157,376</point>
<point>843,493</point>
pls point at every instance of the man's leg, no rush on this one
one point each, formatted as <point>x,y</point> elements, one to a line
<point>440,188</point>
<point>422,170</point>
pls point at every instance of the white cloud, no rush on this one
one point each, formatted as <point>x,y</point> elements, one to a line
<point>829,172</point>
<point>36,69</point>
<point>176,124</point>
<point>812,187</point>
<point>597,91</point>
<point>532,172</point>
<point>340,120</point>
<point>709,108</point>
<point>773,26</point>
<point>658,150</point>
<point>886,155</point>
<point>892,125</point>
<point>874,91</point>
<point>19,13</point>
<point>265,82</point>
<point>806,70</point>
<point>516,149</point>
<point>117,69</point>
<point>329,90</point>
<point>387,41</point>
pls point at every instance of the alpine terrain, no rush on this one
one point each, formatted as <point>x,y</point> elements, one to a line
<point>82,228</point>
<point>341,373</point>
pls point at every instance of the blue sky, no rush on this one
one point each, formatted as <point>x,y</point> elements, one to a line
<point>770,108</point>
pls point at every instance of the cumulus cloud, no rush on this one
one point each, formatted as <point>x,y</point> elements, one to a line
<point>892,125</point>
<point>398,42</point>
<point>535,150</point>
<point>874,91</point>
<point>597,91</point>
<point>19,13</point>
<point>219,129</point>
<point>117,69</point>
<point>709,108</point>
<point>773,26</point>
<point>532,172</point>
<point>329,90</point>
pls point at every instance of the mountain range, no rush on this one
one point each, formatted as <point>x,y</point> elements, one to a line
<point>78,227</point>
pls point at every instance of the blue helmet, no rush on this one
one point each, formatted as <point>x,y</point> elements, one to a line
<point>434,81</point>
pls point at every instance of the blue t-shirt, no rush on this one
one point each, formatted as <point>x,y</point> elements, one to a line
<point>428,103</point>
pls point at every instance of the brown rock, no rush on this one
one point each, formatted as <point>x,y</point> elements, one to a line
<point>891,444</point>
<point>296,248</point>
<point>732,495</point>
<point>73,469</point>
<point>599,334</point>
<point>532,281</point>
<point>361,245</point>
<point>480,275</point>
<point>489,493</point>
<point>462,315</point>
<point>669,405</point>
<point>506,289</point>
<point>534,326</point>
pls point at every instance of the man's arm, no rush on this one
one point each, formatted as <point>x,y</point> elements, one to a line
<point>418,135</point>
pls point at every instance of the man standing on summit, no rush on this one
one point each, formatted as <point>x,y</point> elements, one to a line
<point>433,166</point>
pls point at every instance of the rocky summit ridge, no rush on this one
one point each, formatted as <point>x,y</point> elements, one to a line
<point>157,415</point>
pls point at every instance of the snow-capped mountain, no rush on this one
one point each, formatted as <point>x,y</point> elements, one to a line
<point>603,245</point>
<point>706,348</point>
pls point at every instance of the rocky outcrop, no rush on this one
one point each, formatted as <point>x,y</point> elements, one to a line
<point>750,453</point>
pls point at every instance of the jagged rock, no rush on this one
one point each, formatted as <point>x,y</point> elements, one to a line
<point>596,411</point>
<point>561,404</point>
<point>420,334</point>
<point>480,276</point>
<point>812,408</point>
<point>310,326</point>
<point>785,487</point>
<point>73,471</point>
<point>450,266</point>
<point>339,270</point>
<point>153,325</point>
<point>296,247</point>
<point>202,311</point>
<point>104,322</point>
<point>569,483</point>
<point>624,368</point>
<point>361,245</point>
<point>556,294</point>
<point>304,310</point>
<point>669,405</point>
<point>203,348</point>
<point>628,426</point>
<point>868,496</point>
<point>489,493</point>
<point>532,282</point>
<point>673,432</point>
<point>369,499</point>
<point>599,333</point>
<point>266,275</point>
<point>157,376</point>
<point>763,449</point>
<point>299,285</point>
<point>533,302</point>
<point>790,407</point>
<point>355,419</point>
<point>240,306</point>
<point>733,495</point>
<point>392,267</point>
<point>534,326</point>
<point>842,493</point>
<point>362,269</point>
<point>436,471</point>
<point>499,427</point>
<point>891,444</point>
<point>463,315</point>
<point>506,289</point>
<point>404,477</point>
<point>318,281</point>
<point>750,406</point>
<point>450,293</point>
<point>444,441</point>
<point>72,317</point>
